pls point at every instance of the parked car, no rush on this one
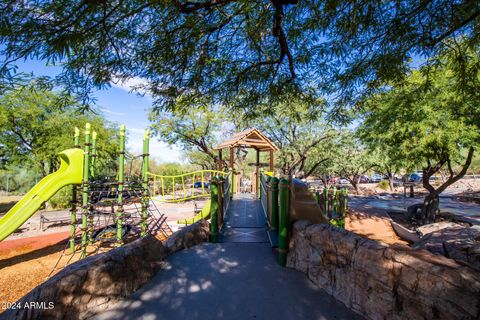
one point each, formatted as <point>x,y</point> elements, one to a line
<point>376,177</point>
<point>343,181</point>
<point>198,184</point>
<point>364,179</point>
<point>415,177</point>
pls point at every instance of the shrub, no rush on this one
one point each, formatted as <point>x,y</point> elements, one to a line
<point>62,199</point>
<point>384,185</point>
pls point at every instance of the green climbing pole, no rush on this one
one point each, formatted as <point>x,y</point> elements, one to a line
<point>214,211</point>
<point>73,223</point>
<point>121,172</point>
<point>283,223</point>
<point>94,154</point>
<point>85,187</point>
<point>274,203</point>
<point>145,197</point>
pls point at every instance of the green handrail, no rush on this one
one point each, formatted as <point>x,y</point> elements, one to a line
<point>85,187</point>
<point>181,194</point>
<point>283,223</point>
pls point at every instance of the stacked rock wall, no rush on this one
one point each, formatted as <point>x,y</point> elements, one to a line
<point>93,284</point>
<point>381,281</point>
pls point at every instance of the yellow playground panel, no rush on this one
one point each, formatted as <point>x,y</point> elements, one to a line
<point>183,187</point>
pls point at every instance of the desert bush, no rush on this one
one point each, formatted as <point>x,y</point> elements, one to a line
<point>384,185</point>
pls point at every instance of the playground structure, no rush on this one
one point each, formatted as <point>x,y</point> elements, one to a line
<point>105,212</point>
<point>283,201</point>
<point>112,212</point>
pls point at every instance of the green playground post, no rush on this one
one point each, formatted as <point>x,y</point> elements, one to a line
<point>121,172</point>
<point>325,195</point>
<point>283,223</point>
<point>73,224</point>
<point>214,211</point>
<point>94,154</point>
<point>345,201</point>
<point>232,183</point>
<point>274,203</point>
<point>86,178</point>
<point>145,196</point>
<point>335,203</point>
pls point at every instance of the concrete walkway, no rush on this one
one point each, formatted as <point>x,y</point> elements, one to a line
<point>236,279</point>
<point>228,281</point>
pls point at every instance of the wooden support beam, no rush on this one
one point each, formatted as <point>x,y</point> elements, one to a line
<point>256,172</point>
<point>220,160</point>
<point>271,160</point>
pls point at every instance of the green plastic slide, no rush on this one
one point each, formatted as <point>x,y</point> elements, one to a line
<point>70,172</point>
<point>204,214</point>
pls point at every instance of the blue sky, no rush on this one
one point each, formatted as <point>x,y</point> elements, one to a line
<point>119,105</point>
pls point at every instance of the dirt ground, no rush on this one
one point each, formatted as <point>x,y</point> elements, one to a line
<point>25,263</point>
<point>27,258</point>
<point>372,226</point>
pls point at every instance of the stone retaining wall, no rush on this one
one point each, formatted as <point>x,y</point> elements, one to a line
<point>381,281</point>
<point>93,284</point>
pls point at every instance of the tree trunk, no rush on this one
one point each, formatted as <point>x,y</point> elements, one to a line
<point>324,181</point>
<point>354,184</point>
<point>390,183</point>
<point>431,207</point>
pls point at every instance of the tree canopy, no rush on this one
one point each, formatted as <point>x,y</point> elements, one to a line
<point>236,52</point>
<point>35,128</point>
<point>298,127</point>
<point>195,129</point>
<point>431,127</point>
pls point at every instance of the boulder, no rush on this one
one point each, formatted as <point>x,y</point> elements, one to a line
<point>459,243</point>
<point>432,227</point>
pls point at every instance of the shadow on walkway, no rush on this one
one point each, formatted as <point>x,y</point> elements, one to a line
<point>228,281</point>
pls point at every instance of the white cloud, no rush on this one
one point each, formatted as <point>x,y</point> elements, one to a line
<point>136,84</point>
<point>160,151</point>
<point>108,111</point>
<point>136,130</point>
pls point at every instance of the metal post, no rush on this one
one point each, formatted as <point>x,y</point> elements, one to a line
<point>145,196</point>
<point>86,172</point>
<point>274,203</point>
<point>283,223</point>
<point>317,197</point>
<point>213,211</point>
<point>121,171</point>
<point>73,215</point>
<point>221,186</point>
<point>94,154</point>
